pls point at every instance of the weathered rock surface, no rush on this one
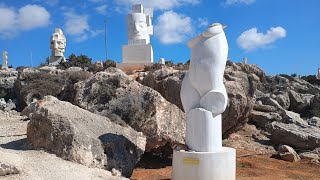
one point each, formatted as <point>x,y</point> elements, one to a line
<point>241,82</point>
<point>6,169</point>
<point>314,121</point>
<point>287,153</point>
<point>261,119</point>
<point>297,136</point>
<point>310,156</point>
<point>81,136</point>
<point>167,82</point>
<point>114,94</point>
<point>297,104</point>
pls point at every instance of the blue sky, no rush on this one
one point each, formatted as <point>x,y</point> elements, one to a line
<point>281,36</point>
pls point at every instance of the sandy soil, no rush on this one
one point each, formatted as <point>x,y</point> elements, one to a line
<point>250,141</point>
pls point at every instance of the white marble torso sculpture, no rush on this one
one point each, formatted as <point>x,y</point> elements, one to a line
<point>204,98</point>
<point>4,60</point>
<point>203,93</point>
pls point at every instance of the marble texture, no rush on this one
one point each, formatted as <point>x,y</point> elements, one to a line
<point>219,165</point>
<point>139,25</point>
<point>162,61</point>
<point>203,89</point>
<point>4,60</point>
<point>58,44</point>
<point>139,29</point>
<point>204,99</point>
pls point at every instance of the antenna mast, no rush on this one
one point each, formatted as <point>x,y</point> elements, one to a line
<point>105,36</point>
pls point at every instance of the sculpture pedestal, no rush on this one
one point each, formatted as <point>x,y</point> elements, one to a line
<point>55,60</point>
<point>219,165</point>
<point>141,53</point>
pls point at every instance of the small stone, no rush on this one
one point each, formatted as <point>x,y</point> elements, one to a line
<point>287,153</point>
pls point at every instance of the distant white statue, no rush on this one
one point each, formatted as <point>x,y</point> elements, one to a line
<point>4,60</point>
<point>204,99</point>
<point>139,27</point>
<point>318,75</point>
<point>58,44</point>
<point>245,60</point>
<point>162,61</point>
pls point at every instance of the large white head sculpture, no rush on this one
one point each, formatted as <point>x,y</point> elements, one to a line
<point>139,25</point>
<point>58,43</point>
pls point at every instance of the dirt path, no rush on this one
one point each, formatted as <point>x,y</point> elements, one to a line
<point>251,168</point>
<point>262,167</point>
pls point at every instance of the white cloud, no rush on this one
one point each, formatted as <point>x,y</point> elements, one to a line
<point>173,28</point>
<point>252,39</point>
<point>33,16</point>
<point>77,26</point>
<point>232,2</point>
<point>203,22</point>
<point>26,18</point>
<point>102,9</point>
<point>157,4</point>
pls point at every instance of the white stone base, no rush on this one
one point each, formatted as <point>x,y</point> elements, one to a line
<point>220,165</point>
<point>55,60</point>
<point>141,53</point>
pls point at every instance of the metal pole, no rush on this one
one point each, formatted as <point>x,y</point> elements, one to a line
<point>105,36</point>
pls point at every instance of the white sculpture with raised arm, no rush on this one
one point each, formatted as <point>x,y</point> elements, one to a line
<point>204,99</point>
<point>139,29</point>
<point>58,44</point>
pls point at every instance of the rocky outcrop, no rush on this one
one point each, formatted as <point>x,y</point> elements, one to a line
<point>287,153</point>
<point>114,94</point>
<point>167,82</point>
<point>295,135</point>
<point>241,81</point>
<point>78,135</point>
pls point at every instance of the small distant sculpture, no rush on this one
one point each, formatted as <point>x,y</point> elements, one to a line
<point>4,60</point>
<point>162,61</point>
<point>204,99</point>
<point>245,60</point>
<point>318,75</point>
<point>58,44</point>
<point>139,28</point>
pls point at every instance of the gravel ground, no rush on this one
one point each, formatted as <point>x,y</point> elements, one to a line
<point>37,164</point>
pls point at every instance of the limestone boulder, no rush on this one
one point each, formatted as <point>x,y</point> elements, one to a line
<point>314,121</point>
<point>297,103</point>
<point>284,100</point>
<point>167,82</point>
<point>113,94</point>
<point>295,135</point>
<point>287,153</point>
<point>315,105</point>
<point>78,135</point>
<point>261,119</point>
<point>310,156</point>
<point>238,108</point>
